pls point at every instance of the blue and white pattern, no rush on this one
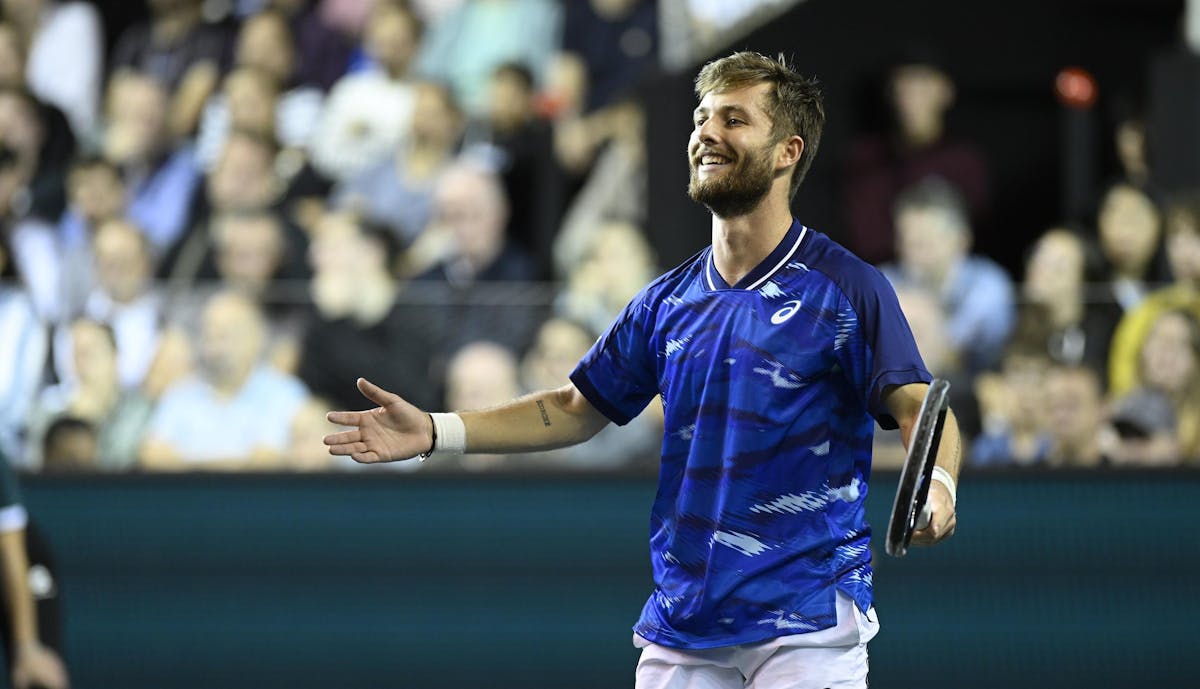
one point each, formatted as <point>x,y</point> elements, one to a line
<point>771,388</point>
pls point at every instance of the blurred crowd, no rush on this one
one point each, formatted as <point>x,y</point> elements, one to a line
<point>211,230</point>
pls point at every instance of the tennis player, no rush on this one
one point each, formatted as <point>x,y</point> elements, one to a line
<point>774,351</point>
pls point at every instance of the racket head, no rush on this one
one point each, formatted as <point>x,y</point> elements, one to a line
<point>913,489</point>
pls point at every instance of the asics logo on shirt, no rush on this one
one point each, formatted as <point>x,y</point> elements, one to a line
<point>789,309</point>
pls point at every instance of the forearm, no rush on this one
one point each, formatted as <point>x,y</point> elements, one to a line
<point>949,455</point>
<point>22,618</point>
<point>540,421</point>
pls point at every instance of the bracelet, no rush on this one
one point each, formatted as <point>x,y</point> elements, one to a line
<point>449,436</point>
<point>943,477</point>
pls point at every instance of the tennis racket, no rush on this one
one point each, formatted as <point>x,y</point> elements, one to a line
<point>908,511</point>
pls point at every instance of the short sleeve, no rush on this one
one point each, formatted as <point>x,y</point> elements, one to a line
<point>618,375</point>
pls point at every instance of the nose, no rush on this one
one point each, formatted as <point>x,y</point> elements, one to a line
<point>706,132</point>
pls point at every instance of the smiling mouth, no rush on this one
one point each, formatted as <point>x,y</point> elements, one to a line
<point>713,160</point>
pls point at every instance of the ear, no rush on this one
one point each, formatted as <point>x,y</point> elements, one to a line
<point>789,152</point>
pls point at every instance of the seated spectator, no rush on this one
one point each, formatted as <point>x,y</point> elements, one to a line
<point>93,393</point>
<point>1012,408</point>
<point>1075,415</point>
<point>266,48</point>
<point>397,193</point>
<point>322,50</point>
<point>977,296</point>
<point>368,113</point>
<point>1130,227</point>
<point>237,413</point>
<point>65,57</point>
<point>361,326</point>
<point>24,350</point>
<point>919,94</point>
<point>96,194</point>
<point>125,299</point>
<point>1078,326</point>
<point>475,261</point>
<point>180,50</point>
<point>617,42</point>
<point>160,177</point>
<point>557,349</point>
<point>1183,256</point>
<point>69,446</point>
<point>1170,365</point>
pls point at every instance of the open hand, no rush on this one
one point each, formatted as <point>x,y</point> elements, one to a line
<point>393,430</point>
<point>35,665</point>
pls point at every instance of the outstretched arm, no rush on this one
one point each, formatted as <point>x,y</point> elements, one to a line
<point>33,665</point>
<point>904,403</point>
<point>398,430</point>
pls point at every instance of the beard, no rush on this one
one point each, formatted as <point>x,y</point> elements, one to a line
<point>738,191</point>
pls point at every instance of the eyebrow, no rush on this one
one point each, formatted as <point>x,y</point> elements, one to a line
<point>724,110</point>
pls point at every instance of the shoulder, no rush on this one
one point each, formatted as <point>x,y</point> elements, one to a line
<point>862,283</point>
<point>675,279</point>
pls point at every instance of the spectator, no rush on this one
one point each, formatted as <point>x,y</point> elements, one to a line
<point>1013,409</point>
<point>237,413</point>
<point>69,446</point>
<point>1074,416</point>
<point>469,42</point>
<point>249,254</point>
<point>266,46</point>
<point>480,374</point>
<point>161,179</point>
<point>322,51</point>
<point>66,57</point>
<point>96,195</point>
<point>398,192</point>
<point>475,259</point>
<point>1078,325</point>
<point>879,168</point>
<point>1130,228</point>
<point>1183,256</point>
<point>177,48</point>
<point>977,296</point>
<point>1170,365</point>
<point>93,394</point>
<point>361,326</point>
<point>1142,431</point>
<point>44,146</point>
<point>24,350</point>
<point>368,114</point>
<point>618,262</point>
<point>521,147</point>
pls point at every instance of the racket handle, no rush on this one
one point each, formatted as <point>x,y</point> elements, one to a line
<point>924,517</point>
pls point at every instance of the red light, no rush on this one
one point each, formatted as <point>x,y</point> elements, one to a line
<point>1076,88</point>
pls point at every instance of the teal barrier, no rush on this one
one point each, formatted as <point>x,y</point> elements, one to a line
<point>346,581</point>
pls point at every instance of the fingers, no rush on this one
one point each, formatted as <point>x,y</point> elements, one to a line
<point>351,436</point>
<point>375,393</point>
<point>938,529</point>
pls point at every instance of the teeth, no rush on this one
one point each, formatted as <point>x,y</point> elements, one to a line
<point>712,160</point>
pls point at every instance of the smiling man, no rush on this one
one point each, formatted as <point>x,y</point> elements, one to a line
<point>775,351</point>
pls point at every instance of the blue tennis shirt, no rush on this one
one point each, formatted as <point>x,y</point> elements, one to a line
<point>771,388</point>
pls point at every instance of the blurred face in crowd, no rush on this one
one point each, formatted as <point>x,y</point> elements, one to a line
<point>70,449</point>
<point>137,119</point>
<point>1024,376</point>
<point>511,103</point>
<point>1055,268</point>
<point>559,346</point>
<point>94,354</point>
<point>251,95</point>
<point>96,192</point>
<point>1129,229</point>
<point>21,127</point>
<point>436,120</point>
<point>244,178</point>
<point>123,261</point>
<point>265,43</point>
<point>391,38</point>
<point>481,374</point>
<point>921,95</point>
<point>471,205</point>
<point>1183,245</point>
<point>232,338</point>
<point>1074,404</point>
<point>342,258</point>
<point>12,56</point>
<point>249,251</point>
<point>732,152</point>
<point>1169,353</point>
<point>930,241</point>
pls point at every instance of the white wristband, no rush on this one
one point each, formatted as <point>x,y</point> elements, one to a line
<point>943,477</point>
<point>450,435</point>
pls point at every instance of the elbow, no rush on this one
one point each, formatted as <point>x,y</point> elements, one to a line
<point>576,405</point>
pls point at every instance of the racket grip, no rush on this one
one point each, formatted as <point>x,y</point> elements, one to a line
<point>924,517</point>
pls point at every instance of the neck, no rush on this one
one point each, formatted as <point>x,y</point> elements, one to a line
<point>740,243</point>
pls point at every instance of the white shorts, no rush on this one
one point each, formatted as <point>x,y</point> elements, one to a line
<point>834,658</point>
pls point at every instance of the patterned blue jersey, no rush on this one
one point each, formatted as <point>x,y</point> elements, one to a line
<point>770,389</point>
